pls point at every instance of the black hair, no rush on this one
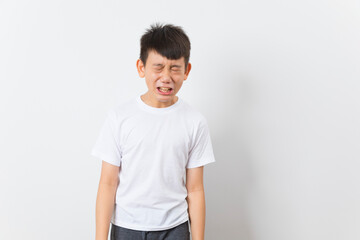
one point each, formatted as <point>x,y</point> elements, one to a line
<point>168,40</point>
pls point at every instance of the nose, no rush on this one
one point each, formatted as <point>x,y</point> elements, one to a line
<point>165,75</point>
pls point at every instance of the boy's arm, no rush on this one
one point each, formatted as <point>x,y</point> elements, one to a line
<point>196,202</point>
<point>105,200</point>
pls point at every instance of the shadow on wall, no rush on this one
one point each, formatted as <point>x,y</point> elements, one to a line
<point>229,181</point>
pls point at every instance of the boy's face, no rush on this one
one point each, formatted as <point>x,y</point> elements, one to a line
<point>162,72</point>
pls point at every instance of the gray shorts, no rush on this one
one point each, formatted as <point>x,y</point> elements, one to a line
<point>180,232</point>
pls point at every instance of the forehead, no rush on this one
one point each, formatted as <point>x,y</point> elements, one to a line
<point>156,58</point>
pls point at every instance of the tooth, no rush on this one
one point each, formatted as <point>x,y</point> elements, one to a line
<point>165,89</point>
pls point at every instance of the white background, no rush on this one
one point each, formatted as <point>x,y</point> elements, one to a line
<point>278,82</point>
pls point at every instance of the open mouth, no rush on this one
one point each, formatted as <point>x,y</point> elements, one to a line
<point>164,90</point>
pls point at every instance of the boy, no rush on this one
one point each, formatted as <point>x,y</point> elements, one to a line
<point>148,144</point>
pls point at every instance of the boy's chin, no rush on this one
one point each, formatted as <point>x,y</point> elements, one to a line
<point>165,98</point>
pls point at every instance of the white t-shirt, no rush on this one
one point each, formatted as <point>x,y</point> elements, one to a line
<point>153,147</point>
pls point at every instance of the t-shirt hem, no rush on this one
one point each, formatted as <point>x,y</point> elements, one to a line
<point>141,228</point>
<point>104,157</point>
<point>200,164</point>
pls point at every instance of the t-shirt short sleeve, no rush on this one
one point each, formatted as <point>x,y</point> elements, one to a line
<point>201,151</point>
<point>106,146</point>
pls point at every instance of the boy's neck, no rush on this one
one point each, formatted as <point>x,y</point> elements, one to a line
<point>153,102</point>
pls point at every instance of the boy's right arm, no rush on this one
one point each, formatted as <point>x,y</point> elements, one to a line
<point>105,200</point>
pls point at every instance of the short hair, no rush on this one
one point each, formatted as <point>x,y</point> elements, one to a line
<point>168,40</point>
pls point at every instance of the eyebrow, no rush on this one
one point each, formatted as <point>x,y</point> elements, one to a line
<point>161,65</point>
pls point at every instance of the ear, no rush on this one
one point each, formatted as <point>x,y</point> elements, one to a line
<point>140,68</point>
<point>187,71</point>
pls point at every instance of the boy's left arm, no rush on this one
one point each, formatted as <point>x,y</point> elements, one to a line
<point>196,202</point>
